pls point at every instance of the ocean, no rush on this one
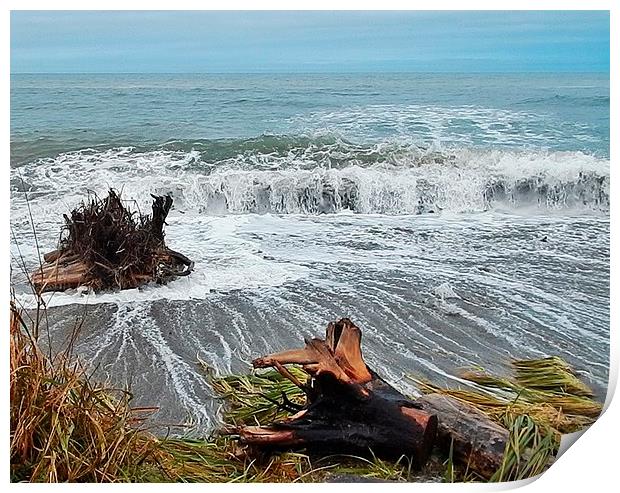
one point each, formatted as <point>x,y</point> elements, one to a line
<point>457,219</point>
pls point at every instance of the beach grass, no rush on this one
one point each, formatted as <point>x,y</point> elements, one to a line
<point>256,398</point>
<point>64,427</point>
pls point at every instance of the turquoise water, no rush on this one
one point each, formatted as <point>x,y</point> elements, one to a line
<point>457,219</point>
<point>57,113</point>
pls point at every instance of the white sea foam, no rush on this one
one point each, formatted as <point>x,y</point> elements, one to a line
<point>466,180</point>
<point>445,291</point>
<point>439,125</point>
<point>411,183</point>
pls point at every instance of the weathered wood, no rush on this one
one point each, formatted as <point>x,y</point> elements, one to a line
<point>478,443</point>
<point>106,246</point>
<point>60,275</point>
<point>69,272</point>
<point>349,408</point>
<point>161,208</point>
<point>52,256</point>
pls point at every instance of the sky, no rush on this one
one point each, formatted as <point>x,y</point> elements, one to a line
<point>324,41</point>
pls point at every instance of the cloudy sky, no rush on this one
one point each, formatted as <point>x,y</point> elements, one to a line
<point>263,41</point>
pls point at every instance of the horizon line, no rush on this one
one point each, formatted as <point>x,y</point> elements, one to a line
<point>325,72</point>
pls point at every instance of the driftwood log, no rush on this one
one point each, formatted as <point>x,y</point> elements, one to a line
<point>349,408</point>
<point>477,442</point>
<point>106,246</point>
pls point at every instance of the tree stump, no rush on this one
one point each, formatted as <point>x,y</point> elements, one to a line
<point>349,408</point>
<point>106,246</point>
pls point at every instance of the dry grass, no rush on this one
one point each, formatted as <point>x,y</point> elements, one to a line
<point>63,427</point>
<point>549,375</point>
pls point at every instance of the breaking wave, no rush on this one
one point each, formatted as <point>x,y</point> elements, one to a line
<point>285,175</point>
<point>389,190</point>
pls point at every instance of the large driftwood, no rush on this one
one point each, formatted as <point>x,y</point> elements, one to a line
<point>106,246</point>
<point>349,408</point>
<point>477,442</point>
<point>70,272</point>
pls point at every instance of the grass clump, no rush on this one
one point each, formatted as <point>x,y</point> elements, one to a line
<point>64,427</point>
<point>220,460</point>
<point>552,375</point>
<point>259,398</point>
<point>530,450</point>
<point>545,389</point>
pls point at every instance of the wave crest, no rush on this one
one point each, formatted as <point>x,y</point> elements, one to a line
<point>457,182</point>
<point>397,180</point>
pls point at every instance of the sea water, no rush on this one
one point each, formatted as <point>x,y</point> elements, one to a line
<point>457,219</point>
